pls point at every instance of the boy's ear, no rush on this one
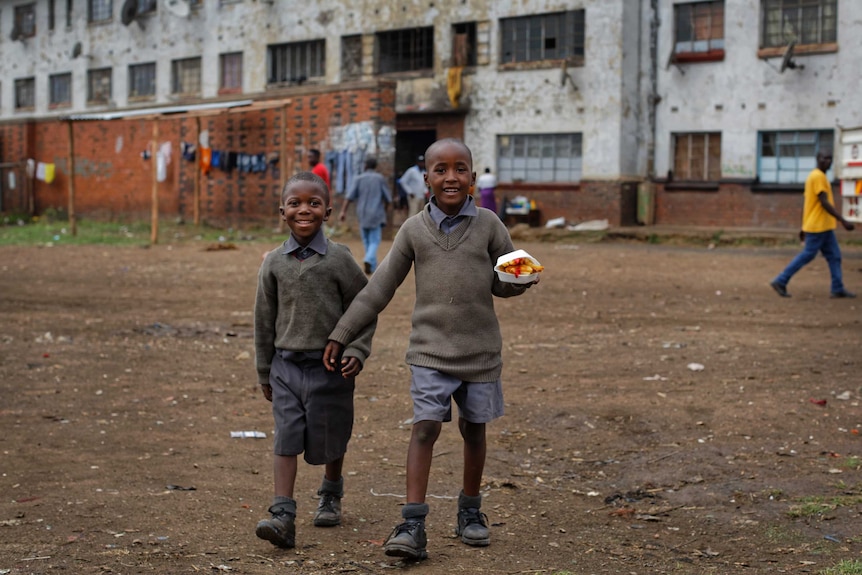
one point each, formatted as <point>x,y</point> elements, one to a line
<point>473,179</point>
<point>281,211</point>
<point>328,213</point>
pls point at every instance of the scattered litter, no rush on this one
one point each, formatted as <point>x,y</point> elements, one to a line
<point>817,401</point>
<point>843,396</point>
<point>243,355</point>
<point>221,567</point>
<point>246,434</point>
<point>172,487</point>
<point>695,367</point>
<point>375,494</point>
<point>672,344</point>
<point>832,538</point>
<point>655,377</point>
<point>556,223</point>
<point>590,226</point>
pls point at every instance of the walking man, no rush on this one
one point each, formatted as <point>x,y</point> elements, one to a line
<point>372,196</point>
<point>413,181</point>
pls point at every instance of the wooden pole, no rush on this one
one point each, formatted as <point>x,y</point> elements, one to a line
<point>154,217</point>
<point>197,191</point>
<point>73,221</point>
<point>282,159</point>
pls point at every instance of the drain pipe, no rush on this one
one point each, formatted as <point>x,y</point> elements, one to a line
<point>653,99</point>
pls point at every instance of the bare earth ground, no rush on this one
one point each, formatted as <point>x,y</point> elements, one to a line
<point>124,370</point>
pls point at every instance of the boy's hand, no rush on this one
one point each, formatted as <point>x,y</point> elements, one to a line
<point>350,367</point>
<point>331,355</point>
<point>267,391</point>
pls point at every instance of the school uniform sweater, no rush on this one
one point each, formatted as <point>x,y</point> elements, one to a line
<point>454,326</point>
<point>298,303</point>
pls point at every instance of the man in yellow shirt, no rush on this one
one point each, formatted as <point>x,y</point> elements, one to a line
<point>819,218</point>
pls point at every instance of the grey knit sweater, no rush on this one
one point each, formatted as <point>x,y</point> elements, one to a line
<point>299,302</point>
<point>455,329</point>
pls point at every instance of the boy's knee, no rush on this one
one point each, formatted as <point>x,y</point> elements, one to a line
<point>426,431</point>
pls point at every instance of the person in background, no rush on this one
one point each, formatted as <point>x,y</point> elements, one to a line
<point>317,167</point>
<point>303,288</point>
<point>819,218</point>
<point>487,183</point>
<point>413,181</point>
<point>372,197</point>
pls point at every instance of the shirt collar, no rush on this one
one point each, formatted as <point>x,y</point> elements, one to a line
<point>317,243</point>
<point>468,208</point>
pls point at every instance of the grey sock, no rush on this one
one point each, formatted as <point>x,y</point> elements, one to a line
<point>416,511</point>
<point>334,487</point>
<point>283,504</point>
<point>469,501</point>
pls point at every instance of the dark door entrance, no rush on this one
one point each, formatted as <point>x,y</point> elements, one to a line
<point>409,144</point>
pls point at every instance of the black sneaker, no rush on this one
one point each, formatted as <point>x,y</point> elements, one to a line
<point>368,269</point>
<point>407,540</point>
<point>780,289</point>
<point>280,529</point>
<point>328,512</point>
<point>842,293</point>
<point>473,527</point>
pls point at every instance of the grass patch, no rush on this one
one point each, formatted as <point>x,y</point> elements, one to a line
<point>846,567</point>
<point>812,506</point>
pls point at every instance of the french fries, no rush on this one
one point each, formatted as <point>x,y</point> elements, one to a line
<point>521,267</point>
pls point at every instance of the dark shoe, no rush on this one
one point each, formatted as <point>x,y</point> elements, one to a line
<point>472,527</point>
<point>780,289</point>
<point>368,268</point>
<point>280,529</point>
<point>842,293</point>
<point>407,540</point>
<point>328,512</point>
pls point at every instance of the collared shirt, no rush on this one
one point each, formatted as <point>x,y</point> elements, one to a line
<point>446,223</point>
<point>413,181</point>
<point>317,245</point>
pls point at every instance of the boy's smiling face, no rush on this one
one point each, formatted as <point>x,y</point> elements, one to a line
<point>450,174</point>
<point>305,208</point>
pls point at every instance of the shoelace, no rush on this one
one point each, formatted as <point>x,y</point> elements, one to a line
<point>326,503</point>
<point>472,515</point>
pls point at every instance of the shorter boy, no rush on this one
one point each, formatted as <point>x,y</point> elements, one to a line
<point>304,287</point>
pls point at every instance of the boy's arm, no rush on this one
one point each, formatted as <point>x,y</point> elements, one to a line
<point>265,311</point>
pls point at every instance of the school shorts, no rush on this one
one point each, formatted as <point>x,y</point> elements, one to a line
<point>433,392</point>
<point>312,407</point>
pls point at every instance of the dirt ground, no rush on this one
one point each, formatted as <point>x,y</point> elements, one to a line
<point>666,412</point>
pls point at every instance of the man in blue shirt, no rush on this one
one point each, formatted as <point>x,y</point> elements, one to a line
<point>372,196</point>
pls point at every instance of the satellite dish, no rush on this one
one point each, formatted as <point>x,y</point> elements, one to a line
<point>77,50</point>
<point>787,58</point>
<point>129,12</point>
<point>178,7</point>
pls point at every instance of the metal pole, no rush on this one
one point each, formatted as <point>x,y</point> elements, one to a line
<point>73,221</point>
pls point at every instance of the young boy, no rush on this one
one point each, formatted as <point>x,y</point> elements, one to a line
<point>304,286</point>
<point>455,346</point>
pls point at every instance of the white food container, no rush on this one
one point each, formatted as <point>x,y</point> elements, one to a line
<point>511,278</point>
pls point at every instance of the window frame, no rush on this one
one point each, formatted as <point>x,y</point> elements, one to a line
<point>307,56</point>
<point>136,95</point>
<point>511,165</point>
<point>25,87</point>
<point>351,57</point>
<point>465,38</point>
<point>709,49</point>
<point>802,163</point>
<point>407,50</point>
<point>225,60</point>
<point>707,172</point>
<point>94,97</point>
<point>53,88</point>
<point>24,17</point>
<point>179,73</point>
<point>100,11</point>
<point>537,52</point>
<point>772,43</point>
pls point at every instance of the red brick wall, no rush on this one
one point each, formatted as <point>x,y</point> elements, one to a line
<point>112,180</point>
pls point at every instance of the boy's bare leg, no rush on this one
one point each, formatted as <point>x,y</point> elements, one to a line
<point>284,471</point>
<point>475,448</point>
<point>419,455</point>
<point>280,529</point>
<point>332,470</point>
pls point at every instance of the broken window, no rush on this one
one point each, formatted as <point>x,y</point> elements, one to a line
<point>230,72</point>
<point>142,81</point>
<point>100,10</point>
<point>405,50</point>
<point>351,57</point>
<point>697,156</point>
<point>539,157</point>
<point>60,86</point>
<point>464,44</point>
<point>803,21</point>
<point>186,77</point>
<point>25,21</point>
<point>99,86</point>
<point>699,27</point>
<point>25,93</point>
<point>296,62</point>
<point>787,157</point>
<point>553,36</point>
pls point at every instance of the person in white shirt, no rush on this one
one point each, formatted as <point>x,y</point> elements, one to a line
<point>413,182</point>
<point>487,183</point>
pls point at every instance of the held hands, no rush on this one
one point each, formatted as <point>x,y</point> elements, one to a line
<point>350,366</point>
<point>267,391</point>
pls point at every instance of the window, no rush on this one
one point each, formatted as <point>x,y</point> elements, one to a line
<point>788,157</point>
<point>186,77</point>
<point>146,6</point>
<point>61,90</point>
<point>697,157</point>
<point>805,21</point>
<point>464,44</point>
<point>100,10</point>
<point>351,57</point>
<point>68,13</point>
<point>405,50</point>
<point>52,14</point>
<point>99,86</point>
<point>142,81</point>
<point>25,21</point>
<point>539,157</point>
<point>230,73</point>
<point>542,37</point>
<point>296,62</point>
<point>25,93</point>
<point>699,27</point>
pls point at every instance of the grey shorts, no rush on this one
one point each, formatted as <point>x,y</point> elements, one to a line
<point>312,407</point>
<point>433,392</point>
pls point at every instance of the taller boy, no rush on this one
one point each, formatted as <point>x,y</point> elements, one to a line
<point>455,346</point>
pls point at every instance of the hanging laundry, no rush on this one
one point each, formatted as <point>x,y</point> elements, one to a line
<point>187,151</point>
<point>50,170</point>
<point>216,159</point>
<point>206,159</point>
<point>40,171</point>
<point>161,167</point>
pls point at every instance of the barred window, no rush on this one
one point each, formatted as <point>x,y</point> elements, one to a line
<point>697,156</point>
<point>464,44</point>
<point>803,21</point>
<point>68,13</point>
<point>351,57</point>
<point>25,93</point>
<point>25,21</point>
<point>230,72</point>
<point>100,10</point>
<point>539,157</point>
<point>60,86</point>
<point>405,50</point>
<point>552,36</point>
<point>142,81</point>
<point>699,27</point>
<point>296,62</point>
<point>787,157</point>
<point>99,86</point>
<point>186,76</point>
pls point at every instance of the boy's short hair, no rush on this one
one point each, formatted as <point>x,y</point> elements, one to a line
<point>451,141</point>
<point>307,177</point>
